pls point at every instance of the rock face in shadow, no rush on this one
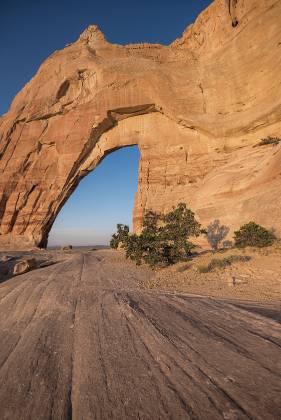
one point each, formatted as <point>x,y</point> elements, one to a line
<point>195,109</point>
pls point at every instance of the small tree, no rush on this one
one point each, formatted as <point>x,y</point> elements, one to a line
<point>147,245</point>
<point>216,233</point>
<point>134,249</point>
<point>252,234</point>
<point>179,225</point>
<point>164,239</point>
<point>120,237</point>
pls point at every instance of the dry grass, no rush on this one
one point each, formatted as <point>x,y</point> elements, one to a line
<point>220,263</point>
<point>274,141</point>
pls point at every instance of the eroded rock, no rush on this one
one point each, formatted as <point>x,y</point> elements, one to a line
<point>24,266</point>
<point>195,108</point>
<point>67,248</point>
<point>237,280</point>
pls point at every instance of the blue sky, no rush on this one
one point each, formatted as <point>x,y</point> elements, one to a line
<point>103,199</point>
<point>30,30</point>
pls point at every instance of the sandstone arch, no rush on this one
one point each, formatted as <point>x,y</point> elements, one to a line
<point>195,109</point>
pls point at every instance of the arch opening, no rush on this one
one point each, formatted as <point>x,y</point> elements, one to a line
<point>102,199</point>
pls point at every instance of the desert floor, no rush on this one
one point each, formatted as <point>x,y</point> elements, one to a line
<point>260,277</point>
<point>92,336</point>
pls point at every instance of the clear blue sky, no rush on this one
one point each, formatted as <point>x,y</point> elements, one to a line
<point>30,30</point>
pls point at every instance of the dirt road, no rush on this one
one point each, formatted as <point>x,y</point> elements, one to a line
<point>80,340</point>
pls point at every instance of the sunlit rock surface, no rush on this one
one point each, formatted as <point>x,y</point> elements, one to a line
<point>195,109</point>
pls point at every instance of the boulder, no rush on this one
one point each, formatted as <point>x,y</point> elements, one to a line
<point>24,266</point>
<point>66,248</point>
<point>237,280</point>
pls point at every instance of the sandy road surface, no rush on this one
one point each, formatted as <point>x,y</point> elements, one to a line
<point>79,340</point>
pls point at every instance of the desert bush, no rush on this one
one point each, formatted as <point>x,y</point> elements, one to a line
<point>274,141</point>
<point>252,234</point>
<point>120,237</point>
<point>164,239</point>
<point>179,225</point>
<point>215,233</point>
<point>222,263</point>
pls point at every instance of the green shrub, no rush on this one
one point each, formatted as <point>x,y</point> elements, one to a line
<point>252,234</point>
<point>164,239</point>
<point>269,140</point>
<point>120,237</point>
<point>179,225</point>
<point>222,263</point>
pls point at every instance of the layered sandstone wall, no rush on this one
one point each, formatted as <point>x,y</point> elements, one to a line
<point>195,108</point>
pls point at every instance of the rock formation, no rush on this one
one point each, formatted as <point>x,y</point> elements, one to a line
<point>25,265</point>
<point>195,109</point>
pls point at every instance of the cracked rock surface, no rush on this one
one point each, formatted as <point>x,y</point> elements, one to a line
<point>80,339</point>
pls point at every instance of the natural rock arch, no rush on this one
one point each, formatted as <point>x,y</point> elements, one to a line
<point>195,109</point>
